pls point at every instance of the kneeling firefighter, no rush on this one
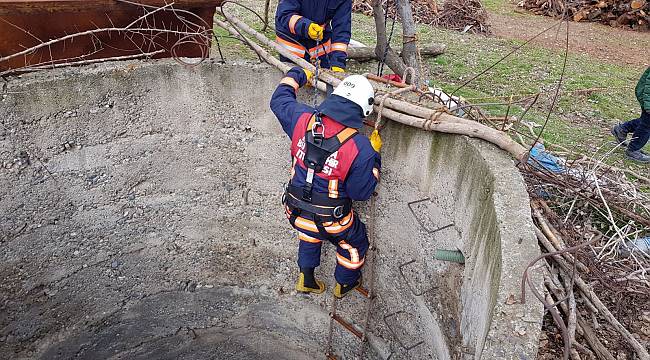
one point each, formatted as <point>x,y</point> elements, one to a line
<point>332,164</point>
<point>315,29</point>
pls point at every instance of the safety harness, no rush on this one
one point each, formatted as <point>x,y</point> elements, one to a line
<point>302,199</point>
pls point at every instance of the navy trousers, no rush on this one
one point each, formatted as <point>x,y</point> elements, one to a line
<point>351,241</point>
<point>640,128</point>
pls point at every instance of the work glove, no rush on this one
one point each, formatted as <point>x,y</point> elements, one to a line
<point>337,69</point>
<point>300,75</point>
<point>309,75</point>
<point>315,32</point>
<point>375,140</point>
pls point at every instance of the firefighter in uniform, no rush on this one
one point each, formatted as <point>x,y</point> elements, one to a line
<point>332,164</point>
<point>310,28</point>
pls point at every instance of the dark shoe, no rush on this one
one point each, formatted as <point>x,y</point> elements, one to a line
<point>308,284</point>
<point>638,156</point>
<point>341,290</point>
<point>620,135</point>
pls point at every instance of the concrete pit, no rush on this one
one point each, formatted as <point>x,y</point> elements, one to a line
<point>141,219</point>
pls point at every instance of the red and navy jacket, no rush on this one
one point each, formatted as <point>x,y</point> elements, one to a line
<point>292,20</point>
<point>351,172</point>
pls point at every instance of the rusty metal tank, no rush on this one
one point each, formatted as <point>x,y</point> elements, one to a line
<point>27,23</point>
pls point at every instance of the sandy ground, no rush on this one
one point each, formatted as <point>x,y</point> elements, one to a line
<point>614,45</point>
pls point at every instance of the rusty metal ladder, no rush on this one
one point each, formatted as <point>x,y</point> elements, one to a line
<point>361,332</point>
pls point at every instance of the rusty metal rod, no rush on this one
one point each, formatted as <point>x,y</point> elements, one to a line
<point>348,326</point>
<point>362,291</point>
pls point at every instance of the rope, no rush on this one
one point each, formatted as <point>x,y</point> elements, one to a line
<point>382,62</point>
<point>410,38</point>
<point>316,62</point>
<point>434,118</point>
<point>387,96</point>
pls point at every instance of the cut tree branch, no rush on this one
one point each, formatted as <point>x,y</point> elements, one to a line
<point>383,49</point>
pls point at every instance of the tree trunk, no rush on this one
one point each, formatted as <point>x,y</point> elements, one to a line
<point>410,50</point>
<point>368,53</point>
<point>383,49</point>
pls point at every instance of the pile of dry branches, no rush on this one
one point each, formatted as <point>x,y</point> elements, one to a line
<point>424,11</point>
<point>593,303</point>
<point>463,15</point>
<point>634,14</point>
<point>460,15</point>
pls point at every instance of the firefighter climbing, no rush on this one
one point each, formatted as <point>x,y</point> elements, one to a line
<point>332,165</point>
<point>315,29</point>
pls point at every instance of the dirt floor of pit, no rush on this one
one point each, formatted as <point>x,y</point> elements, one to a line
<point>128,231</point>
<point>141,219</point>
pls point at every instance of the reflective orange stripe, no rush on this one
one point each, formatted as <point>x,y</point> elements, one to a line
<point>295,49</point>
<point>332,228</point>
<point>354,254</point>
<point>348,264</point>
<point>340,47</point>
<point>375,172</point>
<point>346,134</point>
<point>292,23</point>
<point>307,238</point>
<point>333,188</point>
<point>291,82</point>
<point>320,50</point>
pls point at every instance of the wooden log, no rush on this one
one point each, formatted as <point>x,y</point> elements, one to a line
<point>397,110</point>
<point>474,129</point>
<point>368,53</point>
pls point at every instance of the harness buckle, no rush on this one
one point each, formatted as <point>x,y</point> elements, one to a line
<point>314,130</point>
<point>338,212</point>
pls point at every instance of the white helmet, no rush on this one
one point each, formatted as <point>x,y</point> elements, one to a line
<point>357,89</point>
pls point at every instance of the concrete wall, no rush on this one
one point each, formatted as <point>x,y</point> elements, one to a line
<point>487,202</point>
<point>154,186</point>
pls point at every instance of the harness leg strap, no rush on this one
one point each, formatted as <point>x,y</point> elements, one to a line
<point>322,231</point>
